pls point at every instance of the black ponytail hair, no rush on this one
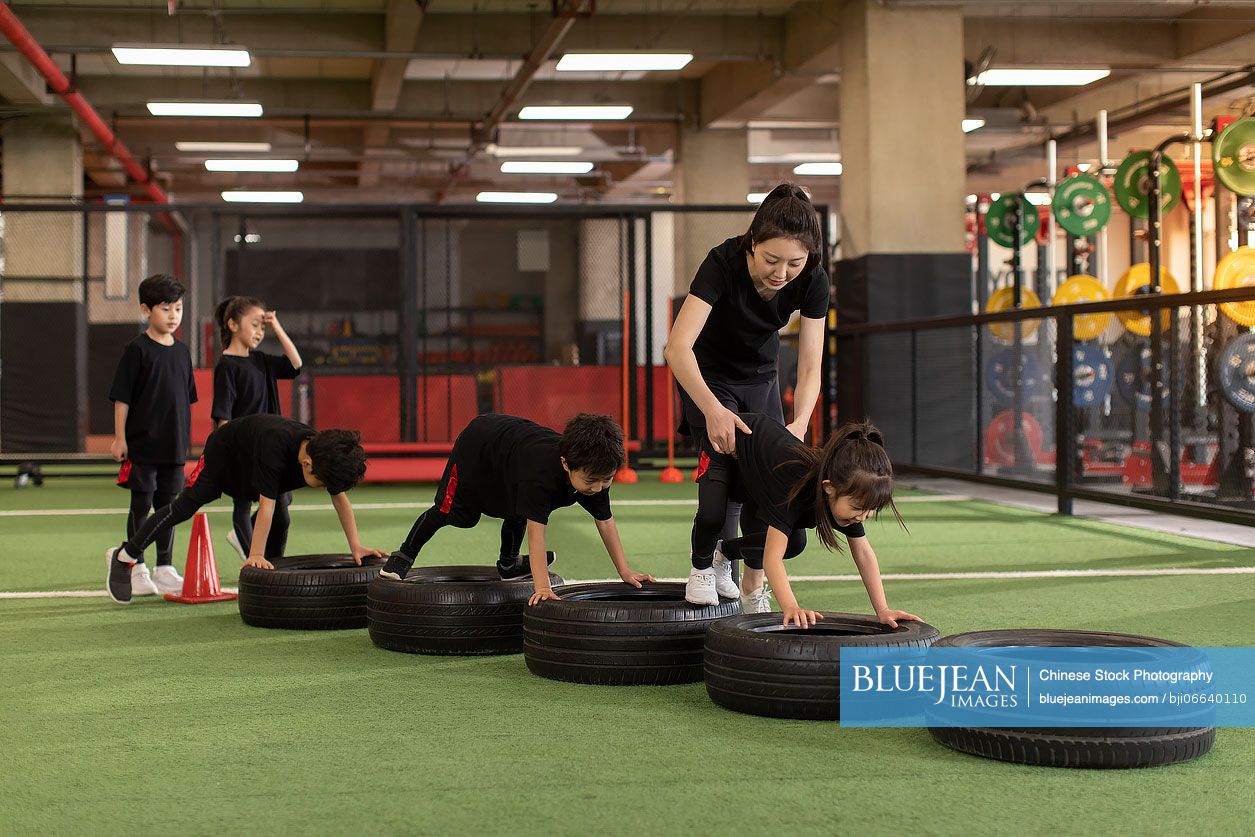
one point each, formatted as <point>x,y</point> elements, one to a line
<point>786,212</point>
<point>232,308</point>
<point>854,463</point>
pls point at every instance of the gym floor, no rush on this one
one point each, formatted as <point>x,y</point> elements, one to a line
<point>160,718</point>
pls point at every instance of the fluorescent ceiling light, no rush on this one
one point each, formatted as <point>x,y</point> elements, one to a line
<point>533,151</point>
<point>252,165</point>
<point>552,167</point>
<point>244,196</point>
<point>796,157</point>
<point>819,169</point>
<point>1040,76</point>
<point>516,197</point>
<point>224,147</point>
<point>755,197</point>
<point>1037,198</point>
<point>204,108</point>
<point>626,62</point>
<point>576,112</point>
<point>183,56</point>
<point>970,125</point>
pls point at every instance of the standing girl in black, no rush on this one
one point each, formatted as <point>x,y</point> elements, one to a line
<point>246,384</point>
<point>723,350</point>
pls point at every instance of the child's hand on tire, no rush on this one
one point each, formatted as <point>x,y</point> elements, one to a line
<point>543,595</point>
<point>801,617</point>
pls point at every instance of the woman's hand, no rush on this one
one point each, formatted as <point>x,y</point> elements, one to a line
<point>721,427</point>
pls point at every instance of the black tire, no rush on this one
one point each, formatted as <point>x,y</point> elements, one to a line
<point>753,664</point>
<point>617,635</point>
<point>1086,747</point>
<point>307,592</point>
<point>449,610</point>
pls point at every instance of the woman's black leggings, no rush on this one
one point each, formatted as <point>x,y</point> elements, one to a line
<point>717,514</point>
<point>243,517</point>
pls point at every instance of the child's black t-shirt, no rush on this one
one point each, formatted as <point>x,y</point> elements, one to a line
<point>766,475</point>
<point>246,386</point>
<point>156,382</point>
<point>740,341</point>
<point>509,467</point>
<point>256,456</point>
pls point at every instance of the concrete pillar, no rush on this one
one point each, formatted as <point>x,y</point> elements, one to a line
<point>902,239</point>
<point>712,168</point>
<point>43,393</point>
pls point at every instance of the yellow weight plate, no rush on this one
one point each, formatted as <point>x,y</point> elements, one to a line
<point>1135,278</point>
<point>1237,270</point>
<point>1078,289</point>
<point>1003,300</point>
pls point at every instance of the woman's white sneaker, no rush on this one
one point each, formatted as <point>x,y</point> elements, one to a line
<point>700,589</point>
<point>724,585</point>
<point>759,601</point>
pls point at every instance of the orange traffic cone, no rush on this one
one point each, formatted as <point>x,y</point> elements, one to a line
<point>200,576</point>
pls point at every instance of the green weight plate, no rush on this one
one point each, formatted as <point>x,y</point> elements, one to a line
<point>1082,205</point>
<point>1233,154</point>
<point>998,221</point>
<point>1132,184</point>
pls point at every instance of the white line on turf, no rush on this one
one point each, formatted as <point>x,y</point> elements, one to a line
<point>1012,574</point>
<point>922,498</point>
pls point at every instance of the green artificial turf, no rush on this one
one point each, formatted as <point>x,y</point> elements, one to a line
<point>161,718</point>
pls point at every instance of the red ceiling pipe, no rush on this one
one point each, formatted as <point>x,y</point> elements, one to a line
<point>40,60</point>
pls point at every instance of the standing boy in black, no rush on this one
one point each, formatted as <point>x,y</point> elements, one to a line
<point>152,394</point>
<point>511,468</point>
<point>256,458</point>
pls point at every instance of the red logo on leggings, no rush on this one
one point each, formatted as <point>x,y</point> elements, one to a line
<point>192,477</point>
<point>449,491</point>
<point>703,462</point>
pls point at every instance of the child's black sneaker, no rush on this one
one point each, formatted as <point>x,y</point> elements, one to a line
<point>397,565</point>
<point>520,566</point>
<point>118,576</point>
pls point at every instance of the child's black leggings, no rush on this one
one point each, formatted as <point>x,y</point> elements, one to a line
<point>432,521</point>
<point>243,517</point>
<point>141,504</point>
<point>753,541</point>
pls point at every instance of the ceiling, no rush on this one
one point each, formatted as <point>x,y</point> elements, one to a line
<point>384,100</point>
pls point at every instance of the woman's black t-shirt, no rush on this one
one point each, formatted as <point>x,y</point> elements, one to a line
<point>247,386</point>
<point>740,341</point>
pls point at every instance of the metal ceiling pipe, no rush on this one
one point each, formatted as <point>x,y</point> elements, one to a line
<point>566,13</point>
<point>59,84</point>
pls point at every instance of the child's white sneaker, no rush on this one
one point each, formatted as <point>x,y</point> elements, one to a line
<point>724,585</point>
<point>235,544</point>
<point>700,589</point>
<point>759,601</point>
<point>142,582</point>
<point>167,579</point>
